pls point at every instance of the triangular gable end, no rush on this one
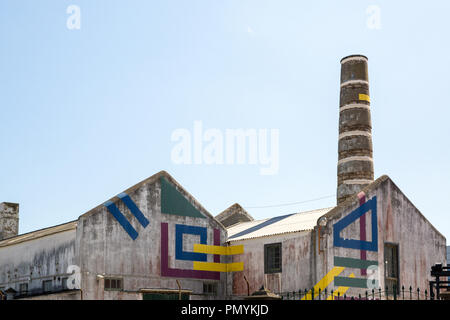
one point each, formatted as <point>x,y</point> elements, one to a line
<point>173,202</point>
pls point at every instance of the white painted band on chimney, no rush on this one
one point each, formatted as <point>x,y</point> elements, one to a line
<point>355,158</point>
<point>355,133</point>
<point>354,106</point>
<point>358,181</point>
<point>354,82</point>
<point>354,58</point>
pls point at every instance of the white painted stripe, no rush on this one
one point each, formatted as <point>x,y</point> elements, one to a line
<point>355,158</point>
<point>354,105</point>
<point>357,58</point>
<point>354,82</point>
<point>355,133</point>
<point>358,181</point>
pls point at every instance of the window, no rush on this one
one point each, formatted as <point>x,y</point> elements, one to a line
<point>23,288</point>
<point>64,283</point>
<point>391,266</point>
<point>210,288</point>
<point>272,258</point>
<point>47,285</point>
<point>113,284</point>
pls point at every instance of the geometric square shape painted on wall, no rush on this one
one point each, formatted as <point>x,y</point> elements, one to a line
<point>180,254</point>
<point>173,202</point>
<point>356,214</point>
<point>168,271</point>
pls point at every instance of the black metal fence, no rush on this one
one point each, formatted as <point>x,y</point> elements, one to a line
<point>402,293</point>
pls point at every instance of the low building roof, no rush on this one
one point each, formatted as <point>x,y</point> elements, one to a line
<point>38,233</point>
<point>295,222</point>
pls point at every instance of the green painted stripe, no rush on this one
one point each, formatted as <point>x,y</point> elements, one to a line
<point>353,263</point>
<point>352,282</point>
<point>173,202</point>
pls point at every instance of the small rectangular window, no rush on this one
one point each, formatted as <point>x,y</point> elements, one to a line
<point>47,285</point>
<point>272,258</point>
<point>391,266</point>
<point>64,283</point>
<point>113,284</point>
<point>210,288</point>
<point>23,288</point>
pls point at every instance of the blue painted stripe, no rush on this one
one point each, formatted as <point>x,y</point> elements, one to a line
<point>134,209</point>
<point>180,254</point>
<point>260,226</point>
<point>121,219</point>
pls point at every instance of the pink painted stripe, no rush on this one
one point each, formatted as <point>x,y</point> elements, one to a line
<point>362,229</point>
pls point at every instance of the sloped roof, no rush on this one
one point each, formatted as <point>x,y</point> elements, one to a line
<point>295,222</point>
<point>152,179</point>
<point>233,215</point>
<point>38,233</point>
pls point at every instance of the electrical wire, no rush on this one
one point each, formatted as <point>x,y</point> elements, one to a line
<point>291,203</point>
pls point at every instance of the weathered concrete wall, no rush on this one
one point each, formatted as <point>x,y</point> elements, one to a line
<point>68,295</point>
<point>106,249</point>
<point>398,222</point>
<point>297,268</point>
<point>9,220</point>
<point>33,261</point>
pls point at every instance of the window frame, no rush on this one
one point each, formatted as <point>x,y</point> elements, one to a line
<point>110,281</point>
<point>269,266</point>
<point>210,288</point>
<point>392,247</point>
<point>21,291</point>
<point>44,282</point>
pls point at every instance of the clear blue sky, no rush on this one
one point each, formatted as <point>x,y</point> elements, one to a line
<point>87,113</point>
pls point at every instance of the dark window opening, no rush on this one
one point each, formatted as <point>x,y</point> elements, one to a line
<point>64,283</point>
<point>272,258</point>
<point>391,266</point>
<point>23,288</point>
<point>210,288</point>
<point>114,284</point>
<point>47,285</point>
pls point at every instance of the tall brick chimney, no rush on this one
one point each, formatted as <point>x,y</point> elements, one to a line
<point>355,162</point>
<point>9,220</point>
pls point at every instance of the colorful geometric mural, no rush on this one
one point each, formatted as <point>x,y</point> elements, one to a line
<point>174,203</point>
<point>342,263</point>
<point>112,208</point>
<point>184,273</point>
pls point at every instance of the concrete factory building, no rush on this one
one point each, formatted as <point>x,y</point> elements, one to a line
<point>155,241</point>
<point>137,245</point>
<point>374,238</point>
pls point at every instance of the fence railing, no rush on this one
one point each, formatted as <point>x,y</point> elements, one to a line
<point>402,293</point>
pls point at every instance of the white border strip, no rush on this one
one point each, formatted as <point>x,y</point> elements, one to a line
<point>358,181</point>
<point>356,58</point>
<point>355,158</point>
<point>353,106</point>
<point>355,133</point>
<point>354,82</point>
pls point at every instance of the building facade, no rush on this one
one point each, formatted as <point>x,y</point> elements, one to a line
<point>137,245</point>
<point>155,241</point>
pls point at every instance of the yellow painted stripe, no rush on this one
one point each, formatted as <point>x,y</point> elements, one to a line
<point>364,97</point>
<point>203,248</point>
<point>340,291</point>
<point>220,267</point>
<point>324,282</point>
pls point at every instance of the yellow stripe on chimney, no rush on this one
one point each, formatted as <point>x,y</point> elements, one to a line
<point>364,97</point>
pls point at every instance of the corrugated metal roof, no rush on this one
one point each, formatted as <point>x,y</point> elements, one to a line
<point>278,225</point>
<point>39,233</point>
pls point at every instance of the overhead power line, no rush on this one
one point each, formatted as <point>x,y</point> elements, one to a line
<point>291,203</point>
